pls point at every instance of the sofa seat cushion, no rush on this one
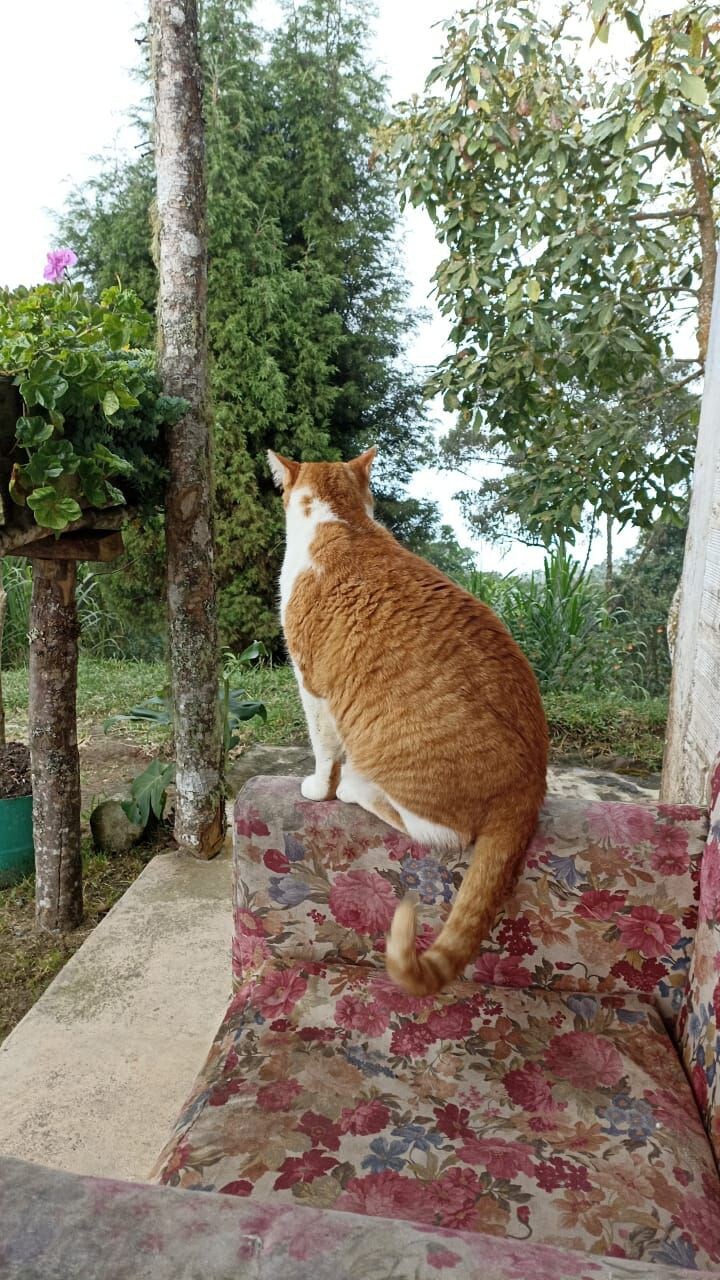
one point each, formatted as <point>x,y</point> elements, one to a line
<point>529,1114</point>
<point>605,901</point>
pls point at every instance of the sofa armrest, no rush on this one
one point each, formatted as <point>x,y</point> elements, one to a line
<point>604,901</point>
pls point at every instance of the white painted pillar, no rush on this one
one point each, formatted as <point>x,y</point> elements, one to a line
<point>693,731</point>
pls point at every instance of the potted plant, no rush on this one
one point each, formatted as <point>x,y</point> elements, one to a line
<point>81,409</point>
<point>17,855</point>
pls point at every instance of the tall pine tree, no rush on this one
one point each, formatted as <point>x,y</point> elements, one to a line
<point>308,313</point>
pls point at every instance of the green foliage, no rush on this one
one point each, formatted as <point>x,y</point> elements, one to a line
<point>101,626</point>
<point>307,304</point>
<point>148,793</point>
<point>86,381</point>
<point>644,586</point>
<point>565,626</point>
<point>235,705</point>
<point>569,203</point>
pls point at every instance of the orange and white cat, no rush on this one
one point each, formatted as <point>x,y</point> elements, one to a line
<point>420,705</point>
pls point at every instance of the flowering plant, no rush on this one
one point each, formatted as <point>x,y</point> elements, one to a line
<point>89,432</point>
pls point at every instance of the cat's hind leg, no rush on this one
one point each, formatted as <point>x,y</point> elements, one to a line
<point>353,788</point>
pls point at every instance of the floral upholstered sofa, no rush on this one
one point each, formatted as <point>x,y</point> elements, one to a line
<point>558,1107</point>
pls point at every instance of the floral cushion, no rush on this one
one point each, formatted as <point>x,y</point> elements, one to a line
<point>700,1017</point>
<point>60,1225</point>
<point>605,901</point>
<point>536,1115</point>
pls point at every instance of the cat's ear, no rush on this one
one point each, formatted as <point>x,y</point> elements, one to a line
<point>284,470</point>
<point>362,465</point>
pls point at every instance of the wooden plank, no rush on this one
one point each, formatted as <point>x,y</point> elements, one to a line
<point>12,539</point>
<point>101,545</point>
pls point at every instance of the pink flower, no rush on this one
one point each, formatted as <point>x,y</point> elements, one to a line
<point>453,1121</point>
<point>410,1040</point>
<point>399,846</point>
<point>57,262</point>
<point>249,824</point>
<point>645,978</point>
<point>451,1022</point>
<point>599,904</point>
<point>699,1083</point>
<point>321,1130</point>
<point>240,1188</point>
<point>670,853</point>
<point>501,971</point>
<point>304,1168</point>
<point>357,1014</point>
<point>246,922</point>
<point>681,812</point>
<point>528,1087</point>
<point>278,1096</point>
<point>363,901</point>
<point>279,991</point>
<point>249,952</point>
<point>276,860</point>
<point>583,1058</point>
<point>648,931</point>
<point>366,1117</point>
<point>454,1196</point>
<point>438,1256</point>
<point>620,824</point>
<point>699,1217</point>
<point>501,1158</point>
<point>388,1195</point>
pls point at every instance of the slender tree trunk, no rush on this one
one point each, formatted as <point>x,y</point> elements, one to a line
<point>182,336</point>
<point>708,248</point>
<point>3,607</point>
<point>53,746</point>
<point>609,555</point>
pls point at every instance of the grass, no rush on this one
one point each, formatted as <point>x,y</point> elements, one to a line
<point>596,729</point>
<point>29,960</point>
<point>593,728</point>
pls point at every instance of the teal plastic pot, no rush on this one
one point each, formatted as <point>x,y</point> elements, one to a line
<point>17,852</point>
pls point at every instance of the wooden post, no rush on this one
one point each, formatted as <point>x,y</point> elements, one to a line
<point>693,730</point>
<point>182,358</point>
<point>53,746</point>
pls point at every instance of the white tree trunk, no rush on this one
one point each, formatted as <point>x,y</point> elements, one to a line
<point>693,731</point>
<point>182,334</point>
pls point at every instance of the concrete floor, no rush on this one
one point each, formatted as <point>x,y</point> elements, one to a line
<point>93,1077</point>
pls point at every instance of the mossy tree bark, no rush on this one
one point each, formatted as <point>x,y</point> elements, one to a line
<point>182,334</point>
<point>53,746</point>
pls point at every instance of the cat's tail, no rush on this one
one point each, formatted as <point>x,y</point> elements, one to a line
<point>487,880</point>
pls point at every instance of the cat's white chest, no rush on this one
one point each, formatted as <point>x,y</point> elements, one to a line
<point>304,513</point>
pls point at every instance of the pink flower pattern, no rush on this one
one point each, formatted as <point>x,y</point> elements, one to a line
<point>514,1103</point>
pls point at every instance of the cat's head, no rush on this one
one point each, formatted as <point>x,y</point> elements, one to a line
<point>344,486</point>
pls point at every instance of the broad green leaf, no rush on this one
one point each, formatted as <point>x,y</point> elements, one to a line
<point>31,432</point>
<point>111,404</point>
<point>533,289</point>
<point>693,88</point>
<point>148,792</point>
<point>51,511</point>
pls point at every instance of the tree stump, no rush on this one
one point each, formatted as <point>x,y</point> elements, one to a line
<point>53,746</point>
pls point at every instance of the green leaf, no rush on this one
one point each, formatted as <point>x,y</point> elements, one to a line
<point>149,792</point>
<point>533,289</point>
<point>693,88</point>
<point>31,432</point>
<point>110,403</point>
<point>156,710</point>
<point>51,511</point>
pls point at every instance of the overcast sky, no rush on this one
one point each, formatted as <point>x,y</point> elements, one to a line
<point>65,92</point>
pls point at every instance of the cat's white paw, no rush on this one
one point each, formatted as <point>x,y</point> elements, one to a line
<point>314,787</point>
<point>346,792</point>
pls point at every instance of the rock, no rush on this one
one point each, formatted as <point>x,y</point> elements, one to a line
<point>261,758</point>
<point>112,830</point>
